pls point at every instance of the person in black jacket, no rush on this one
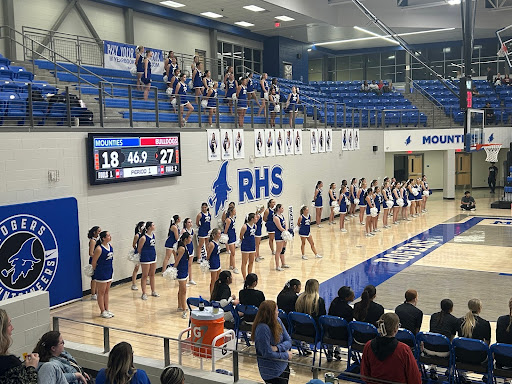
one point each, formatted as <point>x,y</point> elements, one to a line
<point>222,293</point>
<point>504,335</point>
<point>444,322</point>
<point>367,310</point>
<point>311,303</point>
<point>474,327</point>
<point>340,305</point>
<point>251,296</point>
<point>288,296</point>
<point>410,316</point>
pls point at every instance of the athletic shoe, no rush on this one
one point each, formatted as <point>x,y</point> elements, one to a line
<point>369,235</point>
<point>154,294</point>
<point>279,269</point>
<point>318,256</point>
<point>94,297</point>
<point>258,259</point>
<point>110,313</point>
<point>235,270</point>
<point>331,223</point>
<point>285,266</point>
<point>473,209</point>
<point>343,230</point>
<point>408,219</point>
<point>144,296</point>
<point>273,252</point>
<point>377,230</point>
<point>148,282</point>
<point>179,310</point>
<point>184,315</point>
<point>304,257</point>
<point>192,282</point>
<point>362,223</point>
<point>319,226</point>
<point>106,315</point>
<point>134,287</point>
<point>396,222</point>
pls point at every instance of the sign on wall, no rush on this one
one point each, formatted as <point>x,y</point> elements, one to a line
<point>239,146</point>
<point>214,152</point>
<point>328,140</point>
<point>423,140</point>
<point>270,143</point>
<point>122,56</point>
<point>40,250</point>
<point>280,142</point>
<point>297,133</point>
<point>227,144</point>
<point>313,140</point>
<point>259,146</point>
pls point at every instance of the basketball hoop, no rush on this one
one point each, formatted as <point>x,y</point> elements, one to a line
<point>491,150</point>
<point>503,51</point>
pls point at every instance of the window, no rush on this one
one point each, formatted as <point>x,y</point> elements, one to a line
<point>243,59</point>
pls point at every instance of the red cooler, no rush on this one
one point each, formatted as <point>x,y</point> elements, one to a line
<point>206,326</point>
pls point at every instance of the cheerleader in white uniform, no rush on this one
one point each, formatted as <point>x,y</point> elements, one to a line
<point>264,94</point>
<point>377,200</point>
<point>342,201</point>
<point>395,192</point>
<point>273,102</point>
<point>248,244</point>
<point>425,187</point>
<point>173,234</point>
<point>268,218</point>
<point>280,227</point>
<point>93,235</point>
<point>304,224</point>
<point>135,242</point>
<point>182,265</point>
<point>187,227</point>
<point>352,190</point>
<point>103,271</point>
<point>332,197</point>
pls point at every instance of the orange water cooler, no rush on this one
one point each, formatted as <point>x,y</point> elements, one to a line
<point>206,326</point>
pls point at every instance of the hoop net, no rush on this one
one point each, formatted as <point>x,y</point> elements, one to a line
<point>503,51</point>
<point>491,150</point>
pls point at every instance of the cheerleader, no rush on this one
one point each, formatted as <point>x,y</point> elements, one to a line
<point>167,68</point>
<point>203,222</point>
<point>378,201</point>
<point>242,96</point>
<point>148,258</point>
<point>273,102</point>
<point>352,195</point>
<point>93,235</point>
<point>361,191</point>
<point>139,64</point>
<point>229,72</point>
<point>231,88</point>
<point>146,76</point>
<point>317,200</point>
<point>264,94</point>
<point>187,227</point>
<point>257,236</point>
<point>175,79</point>
<point>404,196</point>
<point>395,192</point>
<point>268,218</point>
<point>226,144</point>
<point>332,198</point>
<point>369,219</point>
<point>280,227</point>
<point>411,189</point>
<point>248,246</point>
<point>173,234</point>
<point>238,143</point>
<point>259,142</point>
<point>342,201</point>
<point>213,143</point>
<point>419,196</point>
<point>182,265</point>
<point>304,224</point>
<point>291,105</point>
<point>213,257</point>
<point>297,142</point>
<point>181,92</point>
<point>103,271</point>
<point>269,141</point>
<point>288,138</point>
<point>225,213</point>
<point>135,242</point>
<point>229,229</point>
<point>279,143</point>
<point>251,93</point>
<point>212,102</point>
<point>275,87</point>
<point>386,195</point>
<point>197,81</point>
<point>207,82</point>
<point>424,187</point>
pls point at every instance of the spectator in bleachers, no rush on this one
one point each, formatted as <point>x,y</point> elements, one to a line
<point>12,370</point>
<point>172,375</point>
<point>386,358</point>
<point>231,88</point>
<point>243,96</point>
<point>291,105</point>
<point>410,316</point>
<point>175,79</point>
<point>310,302</point>
<point>506,80</point>
<point>381,86</point>
<point>146,76</point>
<point>467,202</point>
<point>444,322</point>
<point>287,298</point>
<point>374,87</point>
<point>388,87</point>
<point>340,305</point>
<point>167,68</point>
<point>275,86</point>
<point>365,87</point>
<point>367,310</point>
<point>273,103</point>
<point>489,113</point>
<point>139,64</point>
<point>120,368</point>
<point>474,92</point>
<point>472,325</point>
<point>497,79</point>
<point>490,75</point>
<point>264,94</point>
<point>227,74</point>
<point>212,102</point>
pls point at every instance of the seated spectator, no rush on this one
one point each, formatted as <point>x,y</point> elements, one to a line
<point>374,87</point>
<point>365,87</point>
<point>249,295</point>
<point>444,322</point>
<point>504,335</point>
<point>506,80</point>
<point>120,369</point>
<point>367,310</point>
<point>410,316</point>
<point>380,85</point>
<point>386,358</point>
<point>288,296</point>
<point>475,92</point>
<point>497,80</point>
<point>311,303</point>
<point>387,87</point>
<point>222,293</point>
<point>474,327</point>
<point>12,370</point>
<point>172,375</point>
<point>50,348</point>
<point>467,202</point>
<point>489,113</point>
<point>340,305</point>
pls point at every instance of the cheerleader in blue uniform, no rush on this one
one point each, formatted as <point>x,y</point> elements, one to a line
<point>242,96</point>
<point>424,187</point>
<point>168,72</point>
<point>187,227</point>
<point>317,200</point>
<point>181,92</point>
<point>378,199</point>
<point>258,218</point>
<point>146,76</point>
<point>342,201</point>
<point>182,265</point>
<point>103,271</point>
<point>361,191</point>
<point>369,204</point>
<point>280,227</point>
<point>147,254</point>
<point>264,94</point>
<point>419,196</point>
<point>251,92</point>
<point>213,256</point>
<point>173,82</point>
<point>212,101</point>
<point>352,195</point>
<point>93,235</point>
<point>197,80</point>
<point>411,191</point>
<point>386,195</point>
<point>291,105</point>
<point>304,224</point>
<point>135,242</point>
<point>268,218</point>
<point>173,234</point>
<point>231,88</point>
<point>404,194</point>
<point>139,64</point>
<point>395,192</point>
<point>229,229</point>
<point>203,222</point>
<point>225,213</point>
<point>273,102</point>
<point>248,245</point>
<point>207,82</point>
<point>332,198</point>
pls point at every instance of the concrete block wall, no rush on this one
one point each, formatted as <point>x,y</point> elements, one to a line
<point>30,316</point>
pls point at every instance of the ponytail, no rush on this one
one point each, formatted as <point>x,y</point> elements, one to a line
<point>223,279</point>
<point>146,227</point>
<point>302,209</point>
<point>318,183</point>
<point>92,231</point>
<point>214,233</point>
<point>469,322</point>
<point>361,310</point>
<point>181,242</point>
<point>250,280</point>
<point>174,221</point>
<point>249,217</point>
<point>103,234</point>
<point>446,308</point>
<point>290,284</point>
<point>138,227</point>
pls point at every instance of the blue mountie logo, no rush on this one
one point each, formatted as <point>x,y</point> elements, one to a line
<point>220,190</point>
<point>28,255</point>
<point>408,140</point>
<point>491,138</point>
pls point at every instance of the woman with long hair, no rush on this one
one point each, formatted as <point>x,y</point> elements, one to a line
<point>231,88</point>
<point>504,326</point>
<point>172,375</point>
<point>273,344</point>
<point>472,325</point>
<point>181,92</point>
<point>248,244</point>
<point>332,198</point>
<point>93,235</point>
<point>395,192</point>
<point>317,200</point>
<point>229,229</point>
<point>203,222</point>
<point>405,197</point>
<point>287,298</point>
<point>197,80</point>
<point>242,94</point>
<point>249,295</point>
<point>280,225</point>
<point>139,64</point>
<point>258,218</point>
<point>304,224</point>
<point>187,227</point>
<point>213,256</point>
<point>135,242</point>
<point>268,218</point>
<point>222,293</point>
<point>264,94</point>
<point>370,203</point>
<point>352,196</point>
<point>147,253</point>
<point>12,370</point>
<point>444,322</point>
<point>386,196</point>
<point>361,195</point>
<point>367,310</point>
<point>146,76</point>
<point>291,105</point>
<point>343,200</point>
<point>173,234</point>
<point>310,302</point>
<point>377,200</point>
<point>424,187</point>
<point>120,368</point>
<point>102,264</point>
<point>182,265</point>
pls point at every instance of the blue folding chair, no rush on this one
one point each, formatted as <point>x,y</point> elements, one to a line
<point>407,337</point>
<point>284,319</point>
<point>469,355</point>
<point>500,361</point>
<point>360,334</point>
<point>334,333</point>
<point>303,328</point>
<point>437,345</point>
<point>247,313</point>
<point>194,302</point>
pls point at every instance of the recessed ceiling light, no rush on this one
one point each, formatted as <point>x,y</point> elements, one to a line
<point>212,15</point>
<point>244,24</point>
<point>284,18</point>
<point>172,4</point>
<point>254,8</point>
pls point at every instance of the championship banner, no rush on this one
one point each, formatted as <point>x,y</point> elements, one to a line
<point>40,250</point>
<point>122,56</point>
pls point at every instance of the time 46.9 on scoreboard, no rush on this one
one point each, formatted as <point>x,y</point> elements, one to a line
<point>126,157</point>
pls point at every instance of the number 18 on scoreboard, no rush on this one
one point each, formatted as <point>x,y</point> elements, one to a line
<point>128,157</point>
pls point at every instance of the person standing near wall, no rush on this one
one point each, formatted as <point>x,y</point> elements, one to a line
<point>139,64</point>
<point>135,243</point>
<point>317,200</point>
<point>146,76</point>
<point>268,218</point>
<point>93,235</point>
<point>147,253</point>
<point>203,222</point>
<point>103,271</point>
<point>491,179</point>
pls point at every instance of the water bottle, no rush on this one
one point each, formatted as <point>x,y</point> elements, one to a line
<point>201,304</point>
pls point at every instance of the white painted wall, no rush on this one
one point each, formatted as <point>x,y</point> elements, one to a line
<point>25,159</point>
<point>240,41</point>
<point>480,168</point>
<point>432,166</point>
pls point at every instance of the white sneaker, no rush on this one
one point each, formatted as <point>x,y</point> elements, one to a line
<point>408,219</point>
<point>285,266</point>
<point>343,230</point>
<point>279,269</point>
<point>134,287</point>
<point>106,315</point>
<point>192,282</point>
<point>330,223</point>
<point>369,235</point>
<point>154,294</point>
<point>304,257</point>
<point>184,315</point>
<point>362,223</point>
<point>377,230</point>
<point>94,297</point>
<point>235,270</point>
<point>396,222</point>
<point>148,282</point>
<point>318,256</point>
<point>144,296</point>
<point>319,226</point>
<point>110,313</point>
<point>273,252</point>
<point>473,209</point>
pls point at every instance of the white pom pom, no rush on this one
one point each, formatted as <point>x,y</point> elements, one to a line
<point>204,103</point>
<point>313,205</point>
<point>133,257</point>
<point>374,212</point>
<point>133,71</point>
<point>287,236</point>
<point>173,102</point>
<point>237,243</point>
<point>165,78</point>
<point>400,202</point>
<point>389,203</point>
<point>296,229</point>
<point>277,108</point>
<point>204,266</point>
<point>356,201</point>
<point>233,96</point>
<point>168,91</point>
<point>170,273</point>
<point>415,192</point>
<point>409,202</point>
<point>334,204</point>
<point>190,84</point>
<point>347,201</point>
<point>223,86</point>
<point>88,271</point>
<point>224,238</point>
<point>220,223</point>
<point>265,95</point>
<point>336,209</point>
<point>426,193</point>
<point>175,247</point>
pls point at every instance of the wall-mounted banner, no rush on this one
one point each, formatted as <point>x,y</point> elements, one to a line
<point>289,143</point>
<point>356,139</point>
<point>270,143</point>
<point>321,140</point>
<point>227,144</point>
<point>350,141</point>
<point>423,140</point>
<point>259,147</point>
<point>313,140</point>
<point>344,140</point>
<point>40,250</point>
<point>328,140</point>
<point>239,150</point>
<point>297,133</point>
<point>280,142</point>
<point>213,136</point>
<point>122,56</point>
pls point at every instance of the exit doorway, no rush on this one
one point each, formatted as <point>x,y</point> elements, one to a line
<point>408,166</point>
<point>462,169</point>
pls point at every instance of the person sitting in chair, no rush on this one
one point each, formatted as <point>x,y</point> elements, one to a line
<point>468,202</point>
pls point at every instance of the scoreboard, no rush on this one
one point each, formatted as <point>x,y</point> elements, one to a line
<point>127,157</point>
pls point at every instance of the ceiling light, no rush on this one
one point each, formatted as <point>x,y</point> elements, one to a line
<point>284,18</point>
<point>454,2</point>
<point>391,57</point>
<point>254,8</point>
<point>212,15</point>
<point>376,35</point>
<point>172,4</point>
<point>244,24</point>
<point>309,49</point>
<point>447,50</point>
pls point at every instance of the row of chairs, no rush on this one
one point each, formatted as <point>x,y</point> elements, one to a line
<point>15,73</point>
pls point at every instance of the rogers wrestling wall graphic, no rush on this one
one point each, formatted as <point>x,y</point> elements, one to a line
<point>40,250</point>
